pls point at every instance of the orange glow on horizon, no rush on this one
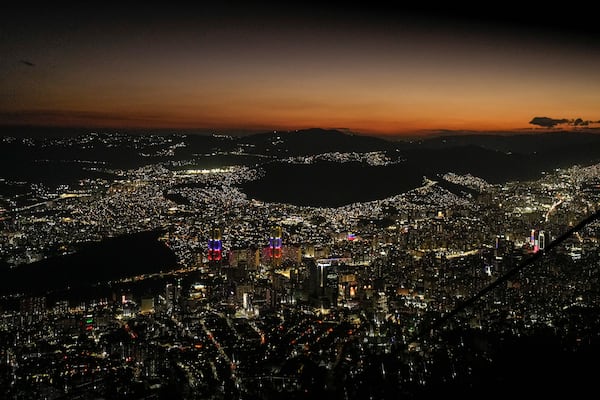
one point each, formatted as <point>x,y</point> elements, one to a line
<point>358,126</point>
<point>228,75</point>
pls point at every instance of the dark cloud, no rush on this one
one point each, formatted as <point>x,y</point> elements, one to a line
<point>547,122</point>
<point>552,122</point>
<point>28,63</point>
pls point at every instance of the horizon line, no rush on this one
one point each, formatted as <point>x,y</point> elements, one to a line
<point>423,133</point>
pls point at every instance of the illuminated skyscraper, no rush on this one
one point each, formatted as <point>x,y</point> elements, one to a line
<point>35,306</point>
<point>275,243</point>
<point>88,322</point>
<point>542,240</point>
<point>274,252</point>
<point>172,294</point>
<point>215,245</point>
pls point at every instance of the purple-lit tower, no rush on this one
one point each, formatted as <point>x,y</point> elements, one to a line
<point>215,246</point>
<point>275,246</point>
<point>275,253</point>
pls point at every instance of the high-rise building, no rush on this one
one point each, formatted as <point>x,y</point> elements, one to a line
<point>215,245</point>
<point>33,306</point>
<point>172,294</point>
<point>147,305</point>
<point>542,240</point>
<point>245,259</point>
<point>275,244</point>
<point>88,322</point>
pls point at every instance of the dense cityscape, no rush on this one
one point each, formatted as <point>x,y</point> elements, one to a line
<point>267,300</point>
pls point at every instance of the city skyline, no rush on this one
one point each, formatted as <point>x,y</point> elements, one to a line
<point>171,266</point>
<point>373,71</point>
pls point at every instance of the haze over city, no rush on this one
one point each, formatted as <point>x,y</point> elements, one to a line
<point>373,69</point>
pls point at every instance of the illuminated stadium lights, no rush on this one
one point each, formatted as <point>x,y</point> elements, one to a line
<point>215,245</point>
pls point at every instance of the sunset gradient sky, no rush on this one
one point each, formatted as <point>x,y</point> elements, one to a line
<point>261,68</point>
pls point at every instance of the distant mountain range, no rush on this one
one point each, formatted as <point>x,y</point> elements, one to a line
<point>495,158</point>
<point>553,149</point>
<point>480,154</point>
<point>317,140</point>
<point>314,141</point>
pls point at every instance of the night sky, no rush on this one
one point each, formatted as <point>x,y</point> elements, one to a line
<point>374,70</point>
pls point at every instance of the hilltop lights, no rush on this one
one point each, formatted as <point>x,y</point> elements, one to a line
<point>207,171</point>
